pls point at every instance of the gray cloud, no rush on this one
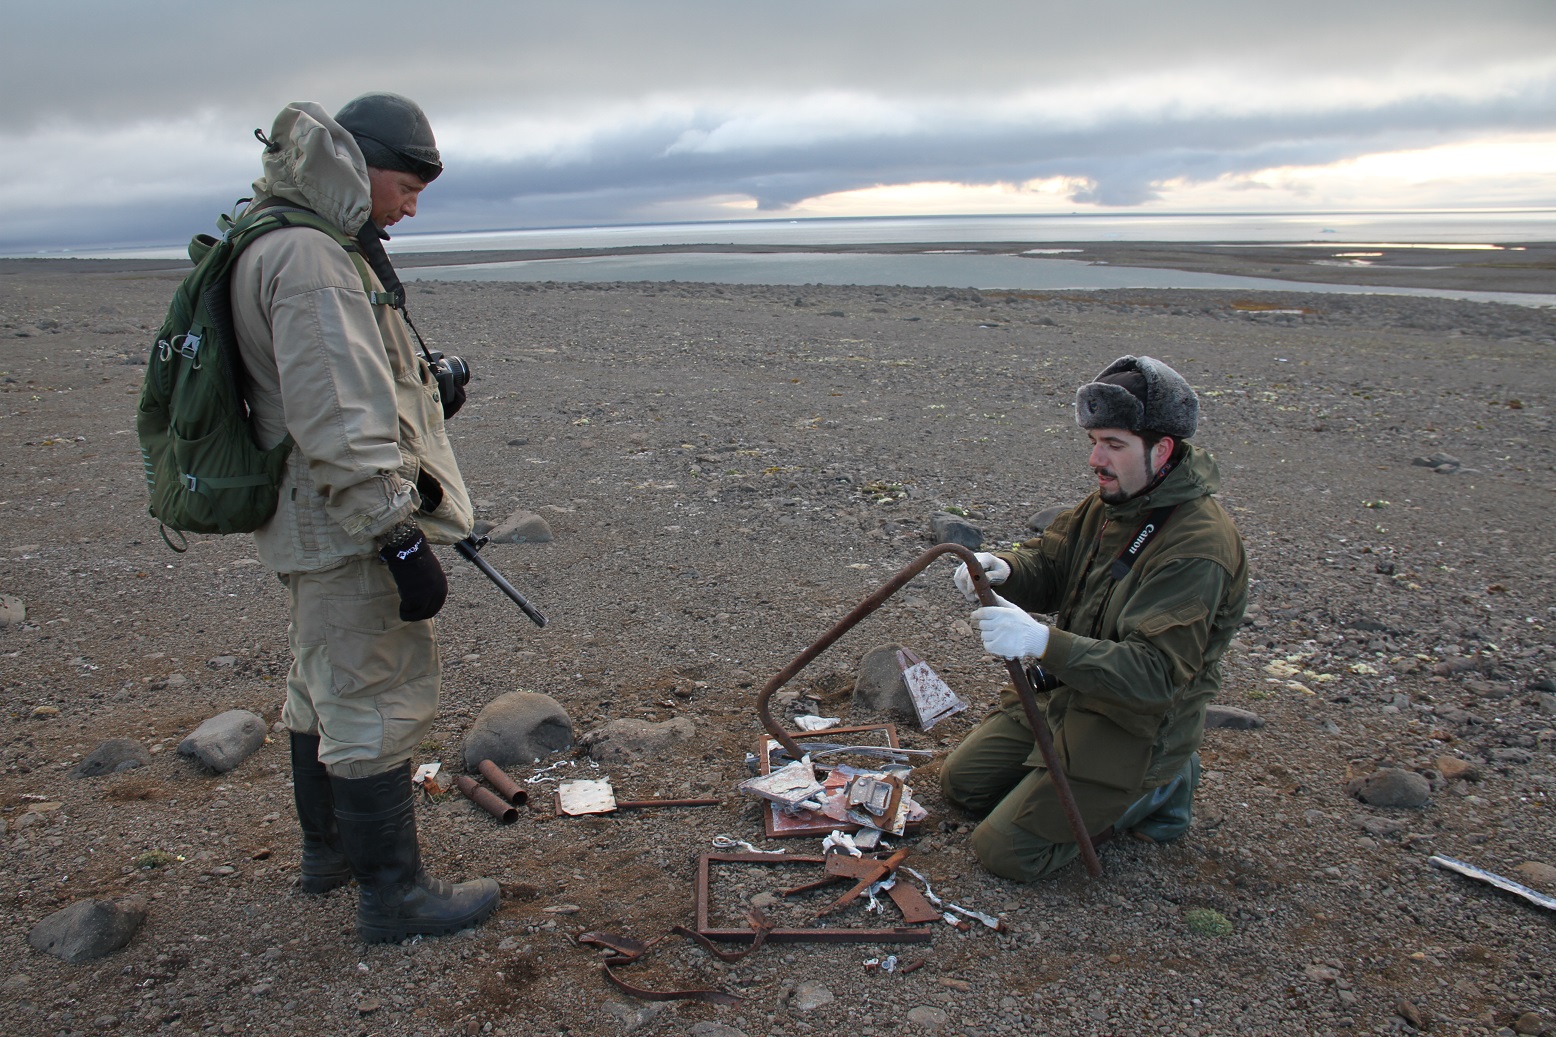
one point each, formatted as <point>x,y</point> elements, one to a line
<point>136,117</point>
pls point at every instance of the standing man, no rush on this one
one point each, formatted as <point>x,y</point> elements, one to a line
<point>370,484</point>
<point>1147,581</point>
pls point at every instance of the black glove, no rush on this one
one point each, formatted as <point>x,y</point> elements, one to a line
<point>417,574</point>
<point>451,392</point>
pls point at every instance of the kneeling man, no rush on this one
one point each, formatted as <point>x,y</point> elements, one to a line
<point>1147,581</point>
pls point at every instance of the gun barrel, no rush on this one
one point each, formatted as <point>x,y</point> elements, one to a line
<point>470,551</point>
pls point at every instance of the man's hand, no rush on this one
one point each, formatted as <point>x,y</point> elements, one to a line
<point>995,567</point>
<point>1009,632</point>
<point>423,586</point>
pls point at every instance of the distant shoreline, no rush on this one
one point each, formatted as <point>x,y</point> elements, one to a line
<point>1528,267</point>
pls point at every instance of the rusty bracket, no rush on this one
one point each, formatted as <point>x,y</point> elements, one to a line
<point>703,884</point>
<point>1018,677</point>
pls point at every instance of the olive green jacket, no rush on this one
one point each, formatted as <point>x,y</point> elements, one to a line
<point>1138,658</point>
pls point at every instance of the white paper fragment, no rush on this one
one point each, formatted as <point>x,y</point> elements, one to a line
<point>811,722</point>
<point>586,797</point>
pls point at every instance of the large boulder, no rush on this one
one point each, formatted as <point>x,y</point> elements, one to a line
<point>88,929</point>
<point>517,729</point>
<point>224,741</point>
<point>621,741</point>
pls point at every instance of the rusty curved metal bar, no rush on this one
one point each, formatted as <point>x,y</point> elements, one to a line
<point>1018,677</point>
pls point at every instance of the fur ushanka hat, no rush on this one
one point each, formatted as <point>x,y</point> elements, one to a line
<point>1138,394</point>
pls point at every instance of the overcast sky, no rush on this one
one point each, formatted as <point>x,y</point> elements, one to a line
<point>132,122</point>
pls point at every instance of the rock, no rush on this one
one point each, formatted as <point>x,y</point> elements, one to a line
<point>1408,1011</point>
<point>224,741</point>
<point>1381,826</point>
<point>222,662</point>
<point>1391,787</point>
<point>1452,769</point>
<point>809,996</point>
<point>1538,874</point>
<point>946,528</point>
<point>1546,702</point>
<point>928,1017</point>
<point>1437,461</point>
<point>519,728</point>
<point>708,1028</point>
<point>623,740</point>
<point>12,610</point>
<point>878,685</point>
<point>1045,518</point>
<point>1232,717</point>
<point>45,711</point>
<point>88,929</point>
<point>113,756</point>
<point>1529,1023</point>
<point>522,527</point>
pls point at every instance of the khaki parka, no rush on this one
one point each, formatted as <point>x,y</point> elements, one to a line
<point>333,369</point>
<point>1139,658</point>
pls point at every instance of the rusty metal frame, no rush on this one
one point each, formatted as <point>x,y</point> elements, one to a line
<point>1018,677</point>
<point>703,887</point>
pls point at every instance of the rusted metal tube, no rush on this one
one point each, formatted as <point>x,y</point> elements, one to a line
<point>486,799</point>
<point>506,787</point>
<point>1018,678</point>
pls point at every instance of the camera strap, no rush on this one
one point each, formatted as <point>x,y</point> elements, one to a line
<point>370,239</point>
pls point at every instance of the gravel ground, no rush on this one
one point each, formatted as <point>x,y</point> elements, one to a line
<point>727,471</point>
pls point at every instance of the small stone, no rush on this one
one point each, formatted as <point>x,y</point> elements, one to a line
<point>1529,1023</point>
<point>878,684</point>
<point>12,610</point>
<point>1452,769</point>
<point>1233,718</point>
<point>1045,518</point>
<point>1408,1011</point>
<point>522,527</point>
<point>369,1005</point>
<point>1391,787</point>
<point>946,528</point>
<point>809,996</point>
<point>1538,874</point>
<point>45,711</point>
<point>222,662</point>
<point>928,1017</point>
<point>709,1028</point>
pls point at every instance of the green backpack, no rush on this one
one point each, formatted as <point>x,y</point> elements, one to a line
<point>204,472</point>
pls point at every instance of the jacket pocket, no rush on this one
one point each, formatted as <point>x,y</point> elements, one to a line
<point>1093,748</point>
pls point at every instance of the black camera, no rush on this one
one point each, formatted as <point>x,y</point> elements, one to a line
<point>448,370</point>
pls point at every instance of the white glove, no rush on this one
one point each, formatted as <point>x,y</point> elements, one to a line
<point>995,567</point>
<point>1010,632</point>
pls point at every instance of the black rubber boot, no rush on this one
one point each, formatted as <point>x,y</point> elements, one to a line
<point>1171,815</point>
<point>377,822</point>
<point>324,865</point>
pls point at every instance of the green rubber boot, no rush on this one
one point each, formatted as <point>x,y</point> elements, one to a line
<point>1171,815</point>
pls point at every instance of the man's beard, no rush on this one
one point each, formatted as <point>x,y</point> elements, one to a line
<point>1113,496</point>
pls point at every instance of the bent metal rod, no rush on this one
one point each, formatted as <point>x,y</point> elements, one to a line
<point>1018,677</point>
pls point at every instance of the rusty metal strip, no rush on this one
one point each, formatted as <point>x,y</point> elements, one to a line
<point>627,951</point>
<point>915,909</point>
<point>703,882</point>
<point>1018,678</point>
